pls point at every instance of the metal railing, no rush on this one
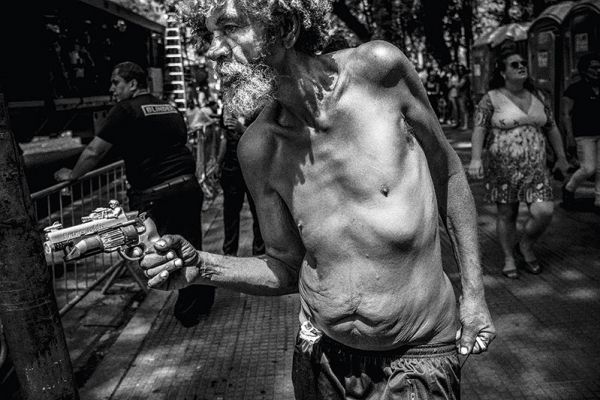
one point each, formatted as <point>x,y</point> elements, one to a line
<point>67,203</point>
<point>205,147</point>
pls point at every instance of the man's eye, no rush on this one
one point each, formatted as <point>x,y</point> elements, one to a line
<point>205,39</point>
<point>230,29</point>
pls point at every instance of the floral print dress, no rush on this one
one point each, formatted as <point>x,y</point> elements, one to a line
<point>516,149</point>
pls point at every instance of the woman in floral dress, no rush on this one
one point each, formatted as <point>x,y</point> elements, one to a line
<point>513,122</point>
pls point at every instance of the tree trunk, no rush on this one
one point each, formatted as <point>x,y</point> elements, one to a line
<point>340,9</point>
<point>467,12</point>
<point>27,304</point>
<point>433,27</point>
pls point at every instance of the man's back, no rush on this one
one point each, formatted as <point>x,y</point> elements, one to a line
<point>151,135</point>
<point>358,189</point>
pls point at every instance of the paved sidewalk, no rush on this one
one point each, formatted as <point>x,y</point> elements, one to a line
<point>548,345</point>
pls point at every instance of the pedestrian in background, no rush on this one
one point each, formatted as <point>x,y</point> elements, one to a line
<point>453,81</point>
<point>151,136</point>
<point>512,122</point>
<point>234,188</point>
<point>580,111</point>
<point>463,88</point>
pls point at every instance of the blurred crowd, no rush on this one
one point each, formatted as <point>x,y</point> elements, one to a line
<point>449,93</point>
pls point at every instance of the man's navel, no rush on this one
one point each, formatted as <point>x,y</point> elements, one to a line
<point>384,190</point>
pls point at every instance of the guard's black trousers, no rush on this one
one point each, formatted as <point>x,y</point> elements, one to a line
<point>234,192</point>
<point>179,211</point>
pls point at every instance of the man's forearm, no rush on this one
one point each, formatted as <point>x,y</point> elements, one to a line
<point>262,276</point>
<point>556,142</point>
<point>86,162</point>
<point>462,230</point>
<point>567,124</point>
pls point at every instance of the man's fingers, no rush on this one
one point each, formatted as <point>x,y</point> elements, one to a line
<point>159,280</point>
<point>165,243</point>
<point>467,341</point>
<point>152,260</point>
<point>480,345</point>
<point>169,266</point>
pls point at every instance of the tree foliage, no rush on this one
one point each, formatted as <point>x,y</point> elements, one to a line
<point>426,30</point>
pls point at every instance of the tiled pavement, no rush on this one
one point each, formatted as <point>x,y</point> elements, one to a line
<point>548,345</point>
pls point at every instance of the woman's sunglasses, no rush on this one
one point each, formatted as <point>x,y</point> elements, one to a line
<point>518,64</point>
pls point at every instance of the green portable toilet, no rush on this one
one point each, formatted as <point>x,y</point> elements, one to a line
<point>545,43</point>
<point>483,53</point>
<point>582,36</point>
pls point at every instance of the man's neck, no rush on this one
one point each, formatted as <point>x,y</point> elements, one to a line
<point>304,82</point>
<point>140,92</point>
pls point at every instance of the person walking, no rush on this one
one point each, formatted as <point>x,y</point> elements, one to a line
<point>580,108</point>
<point>234,188</point>
<point>512,122</point>
<point>462,99</point>
<point>151,136</point>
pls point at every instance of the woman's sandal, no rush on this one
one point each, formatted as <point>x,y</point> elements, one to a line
<point>511,273</point>
<point>533,267</point>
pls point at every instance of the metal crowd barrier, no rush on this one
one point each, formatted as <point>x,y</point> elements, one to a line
<point>67,203</point>
<point>205,143</point>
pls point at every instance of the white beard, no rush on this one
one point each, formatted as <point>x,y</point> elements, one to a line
<point>248,86</point>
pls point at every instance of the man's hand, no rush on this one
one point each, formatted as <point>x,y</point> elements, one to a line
<point>63,174</point>
<point>476,169</point>
<point>173,264</point>
<point>233,123</point>
<point>477,329</point>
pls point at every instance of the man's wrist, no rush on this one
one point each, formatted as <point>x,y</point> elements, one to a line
<point>203,265</point>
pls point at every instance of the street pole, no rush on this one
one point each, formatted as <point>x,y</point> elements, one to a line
<point>28,309</point>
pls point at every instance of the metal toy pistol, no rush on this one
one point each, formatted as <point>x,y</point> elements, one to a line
<point>106,229</point>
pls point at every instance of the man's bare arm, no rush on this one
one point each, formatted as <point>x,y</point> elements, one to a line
<point>88,160</point>
<point>274,273</point>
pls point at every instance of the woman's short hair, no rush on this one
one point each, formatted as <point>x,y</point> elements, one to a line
<point>129,71</point>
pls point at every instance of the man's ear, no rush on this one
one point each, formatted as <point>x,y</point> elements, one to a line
<point>133,84</point>
<point>290,31</point>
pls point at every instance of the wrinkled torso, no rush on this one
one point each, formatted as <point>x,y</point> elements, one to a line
<point>359,190</point>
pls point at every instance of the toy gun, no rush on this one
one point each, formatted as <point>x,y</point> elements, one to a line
<point>97,234</point>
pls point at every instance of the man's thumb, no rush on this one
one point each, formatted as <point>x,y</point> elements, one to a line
<point>467,341</point>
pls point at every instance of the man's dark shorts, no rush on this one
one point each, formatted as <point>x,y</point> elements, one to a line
<point>333,371</point>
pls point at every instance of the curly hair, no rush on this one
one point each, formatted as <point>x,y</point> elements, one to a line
<point>313,15</point>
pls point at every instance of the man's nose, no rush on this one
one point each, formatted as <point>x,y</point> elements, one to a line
<point>218,48</point>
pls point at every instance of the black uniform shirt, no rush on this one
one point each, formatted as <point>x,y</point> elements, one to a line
<point>151,136</point>
<point>586,109</point>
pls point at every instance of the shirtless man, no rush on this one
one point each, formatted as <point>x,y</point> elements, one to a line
<point>350,171</point>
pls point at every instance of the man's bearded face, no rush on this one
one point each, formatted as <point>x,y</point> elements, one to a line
<point>248,86</point>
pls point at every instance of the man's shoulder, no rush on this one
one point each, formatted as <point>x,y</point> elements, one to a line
<point>380,62</point>
<point>254,147</point>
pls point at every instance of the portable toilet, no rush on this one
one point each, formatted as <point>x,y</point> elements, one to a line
<point>483,53</point>
<point>582,36</point>
<point>545,39</point>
